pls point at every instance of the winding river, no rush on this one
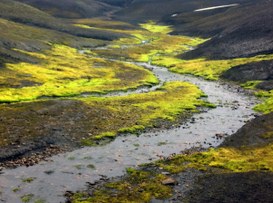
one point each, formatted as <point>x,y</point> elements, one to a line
<point>71,171</point>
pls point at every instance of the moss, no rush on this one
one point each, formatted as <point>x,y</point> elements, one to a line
<point>208,69</point>
<point>251,84</point>
<point>133,113</point>
<point>154,28</point>
<point>244,159</point>
<point>28,180</point>
<point>91,166</point>
<point>267,105</point>
<point>27,198</point>
<point>39,201</point>
<point>64,72</point>
<point>139,186</point>
<point>16,189</point>
<point>267,135</point>
<point>154,45</point>
<point>144,45</point>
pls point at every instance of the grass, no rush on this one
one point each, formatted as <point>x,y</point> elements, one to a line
<point>63,71</point>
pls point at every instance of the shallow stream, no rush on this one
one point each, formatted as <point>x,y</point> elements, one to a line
<point>71,171</point>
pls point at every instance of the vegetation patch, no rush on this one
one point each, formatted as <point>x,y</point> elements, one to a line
<point>243,159</point>
<point>267,105</point>
<point>139,186</point>
<point>27,198</point>
<point>251,84</point>
<point>64,71</point>
<point>94,118</point>
<point>133,113</point>
<point>208,69</point>
<point>156,46</point>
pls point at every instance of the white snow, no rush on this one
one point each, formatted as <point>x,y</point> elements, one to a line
<point>216,7</point>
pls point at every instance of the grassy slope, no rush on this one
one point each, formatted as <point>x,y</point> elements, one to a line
<point>71,8</point>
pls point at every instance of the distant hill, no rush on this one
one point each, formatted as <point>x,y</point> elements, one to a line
<point>240,31</point>
<point>29,28</point>
<point>142,10</point>
<point>72,8</point>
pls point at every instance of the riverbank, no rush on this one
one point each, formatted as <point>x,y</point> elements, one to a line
<point>204,129</point>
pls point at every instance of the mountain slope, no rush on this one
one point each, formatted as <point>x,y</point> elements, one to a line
<point>241,31</point>
<point>71,8</point>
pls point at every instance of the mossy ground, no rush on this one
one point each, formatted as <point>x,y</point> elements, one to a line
<point>139,186</point>
<point>156,46</point>
<point>93,118</point>
<point>63,71</point>
<point>254,159</point>
<point>267,105</point>
<point>136,112</point>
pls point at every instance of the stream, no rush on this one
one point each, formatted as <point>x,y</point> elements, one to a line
<point>71,171</point>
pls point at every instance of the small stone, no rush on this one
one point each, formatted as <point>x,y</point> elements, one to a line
<point>165,173</point>
<point>169,181</point>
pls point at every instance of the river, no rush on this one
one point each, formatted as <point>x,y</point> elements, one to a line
<point>71,171</point>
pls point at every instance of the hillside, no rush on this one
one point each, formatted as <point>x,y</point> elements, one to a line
<point>136,101</point>
<point>71,8</point>
<point>28,28</point>
<point>237,32</point>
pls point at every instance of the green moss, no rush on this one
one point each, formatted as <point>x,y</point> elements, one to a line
<point>91,166</point>
<point>144,45</point>
<point>64,72</point>
<point>154,45</point>
<point>39,201</point>
<point>27,198</point>
<point>268,135</point>
<point>208,69</point>
<point>133,113</point>
<point>267,105</point>
<point>244,159</point>
<point>28,180</point>
<point>16,189</point>
<point>139,186</point>
<point>251,84</point>
<point>154,28</point>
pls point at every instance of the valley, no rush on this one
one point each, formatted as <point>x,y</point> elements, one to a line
<point>99,106</point>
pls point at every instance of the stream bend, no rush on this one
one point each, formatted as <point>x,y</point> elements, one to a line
<point>71,171</point>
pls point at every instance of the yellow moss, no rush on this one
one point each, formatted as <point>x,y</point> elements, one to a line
<point>242,159</point>
<point>251,84</point>
<point>138,187</point>
<point>267,105</point>
<point>135,112</point>
<point>63,71</point>
<point>209,69</point>
<point>153,27</point>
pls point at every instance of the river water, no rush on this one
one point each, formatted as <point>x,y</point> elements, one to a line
<point>71,171</point>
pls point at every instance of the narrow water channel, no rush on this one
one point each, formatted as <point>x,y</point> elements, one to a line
<point>71,171</point>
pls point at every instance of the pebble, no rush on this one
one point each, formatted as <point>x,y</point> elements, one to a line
<point>169,181</point>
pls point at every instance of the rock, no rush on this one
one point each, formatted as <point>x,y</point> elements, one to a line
<point>169,181</point>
